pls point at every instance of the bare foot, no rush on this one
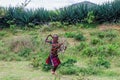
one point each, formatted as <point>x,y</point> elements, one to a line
<point>53,72</point>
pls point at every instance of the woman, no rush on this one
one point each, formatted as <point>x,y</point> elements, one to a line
<point>53,57</point>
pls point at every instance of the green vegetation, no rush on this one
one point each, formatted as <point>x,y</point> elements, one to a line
<point>72,15</point>
<point>77,36</point>
<point>92,53</point>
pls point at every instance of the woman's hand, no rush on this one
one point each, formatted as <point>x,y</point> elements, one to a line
<point>50,35</point>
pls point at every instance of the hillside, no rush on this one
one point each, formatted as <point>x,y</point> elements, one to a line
<point>92,53</point>
<point>87,3</point>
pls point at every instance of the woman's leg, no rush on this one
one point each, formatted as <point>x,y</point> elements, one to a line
<point>54,69</point>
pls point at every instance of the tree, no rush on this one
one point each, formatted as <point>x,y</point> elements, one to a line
<point>25,3</point>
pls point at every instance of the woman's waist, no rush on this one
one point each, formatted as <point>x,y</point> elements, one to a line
<point>53,54</point>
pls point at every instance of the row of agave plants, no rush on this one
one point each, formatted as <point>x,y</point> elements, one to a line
<point>107,12</point>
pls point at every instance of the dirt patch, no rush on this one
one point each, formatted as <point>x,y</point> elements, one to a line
<point>106,27</point>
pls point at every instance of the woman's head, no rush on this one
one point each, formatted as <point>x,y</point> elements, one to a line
<point>55,38</point>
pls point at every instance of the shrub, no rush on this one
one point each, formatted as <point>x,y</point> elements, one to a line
<point>12,27</point>
<point>10,57</point>
<point>112,49</point>
<point>101,34</point>
<point>71,14</point>
<point>65,28</point>
<point>107,50</point>
<point>69,34</point>
<point>89,71</point>
<point>31,25</point>
<point>46,28</point>
<point>24,52</point>
<point>106,34</point>
<point>69,62</point>
<point>38,61</point>
<point>90,17</point>
<point>68,67</point>
<point>79,37</point>
<point>89,51</point>
<point>102,62</point>
<point>56,24</point>
<point>82,46</point>
<point>19,42</point>
<point>46,67</point>
<point>95,41</point>
<point>69,70</point>
<point>111,34</point>
<point>3,48</point>
<point>2,33</point>
<point>101,50</point>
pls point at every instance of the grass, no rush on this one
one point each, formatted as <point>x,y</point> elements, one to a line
<point>23,71</point>
<point>16,63</point>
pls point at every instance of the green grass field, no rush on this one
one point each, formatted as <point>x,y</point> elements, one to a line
<point>96,51</point>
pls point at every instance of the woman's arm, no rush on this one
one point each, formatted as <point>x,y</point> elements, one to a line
<point>46,40</point>
<point>60,45</point>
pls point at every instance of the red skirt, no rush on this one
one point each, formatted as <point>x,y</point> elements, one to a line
<point>53,60</point>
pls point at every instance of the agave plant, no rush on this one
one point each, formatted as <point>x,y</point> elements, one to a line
<point>107,12</point>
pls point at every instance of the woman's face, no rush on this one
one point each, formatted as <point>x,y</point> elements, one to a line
<point>55,39</point>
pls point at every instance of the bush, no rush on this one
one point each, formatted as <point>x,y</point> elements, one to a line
<point>18,43</point>
<point>46,28</point>
<point>2,33</point>
<point>101,34</point>
<point>69,34</point>
<point>82,46</point>
<point>71,14</point>
<point>69,70</point>
<point>89,51</point>
<point>3,48</point>
<point>89,71</point>
<point>24,52</point>
<point>112,49</point>
<point>56,24</point>
<point>90,17</point>
<point>12,27</point>
<point>111,34</point>
<point>46,67</point>
<point>107,50</point>
<point>79,37</point>
<point>68,67</point>
<point>65,28</point>
<point>69,62</point>
<point>31,25</point>
<point>95,41</point>
<point>10,57</point>
<point>102,62</point>
<point>106,34</point>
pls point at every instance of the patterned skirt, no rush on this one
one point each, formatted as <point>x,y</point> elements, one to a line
<point>53,60</point>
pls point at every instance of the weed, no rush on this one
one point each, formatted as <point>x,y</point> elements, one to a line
<point>69,34</point>
<point>10,57</point>
<point>46,28</point>
<point>2,33</point>
<point>95,41</point>
<point>89,51</point>
<point>80,37</point>
<point>24,52</point>
<point>102,62</point>
<point>82,46</point>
